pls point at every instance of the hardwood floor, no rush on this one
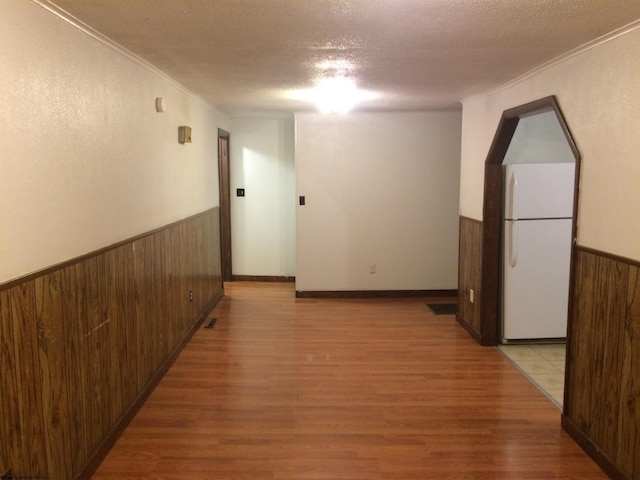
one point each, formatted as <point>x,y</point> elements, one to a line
<point>342,389</point>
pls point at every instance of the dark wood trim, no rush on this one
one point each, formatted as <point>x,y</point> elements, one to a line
<point>490,280</point>
<point>101,452</point>
<point>262,278</point>
<point>224,183</point>
<point>545,104</point>
<point>598,456</point>
<point>377,294</point>
<point>573,254</point>
<point>610,256</point>
<point>491,230</point>
<point>95,253</point>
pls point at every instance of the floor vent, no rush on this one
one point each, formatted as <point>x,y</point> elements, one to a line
<point>211,323</point>
<point>443,308</point>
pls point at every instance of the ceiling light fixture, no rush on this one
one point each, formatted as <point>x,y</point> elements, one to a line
<point>337,94</point>
<point>335,65</point>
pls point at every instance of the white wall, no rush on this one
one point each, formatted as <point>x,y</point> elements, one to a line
<point>381,188</point>
<point>263,222</point>
<point>85,159</point>
<point>539,139</point>
<point>597,90</point>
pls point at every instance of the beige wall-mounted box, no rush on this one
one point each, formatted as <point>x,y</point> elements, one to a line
<point>184,134</point>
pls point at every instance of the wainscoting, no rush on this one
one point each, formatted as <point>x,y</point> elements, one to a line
<point>83,342</point>
<point>602,402</point>
<point>469,276</point>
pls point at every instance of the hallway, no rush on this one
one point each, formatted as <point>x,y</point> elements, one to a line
<point>342,389</point>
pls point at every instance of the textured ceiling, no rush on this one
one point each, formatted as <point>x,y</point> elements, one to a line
<point>249,55</point>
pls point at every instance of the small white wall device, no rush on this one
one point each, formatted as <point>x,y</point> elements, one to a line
<point>160,104</point>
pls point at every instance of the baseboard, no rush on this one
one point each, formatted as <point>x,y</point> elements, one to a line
<point>107,444</point>
<point>262,278</point>
<point>476,336</point>
<point>592,450</point>
<point>376,293</point>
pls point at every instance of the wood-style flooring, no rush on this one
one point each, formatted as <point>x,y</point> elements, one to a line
<point>342,389</point>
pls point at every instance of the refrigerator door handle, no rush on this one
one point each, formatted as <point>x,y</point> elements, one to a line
<point>512,240</point>
<point>513,196</point>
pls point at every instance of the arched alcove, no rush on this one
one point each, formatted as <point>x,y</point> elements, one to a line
<point>492,210</point>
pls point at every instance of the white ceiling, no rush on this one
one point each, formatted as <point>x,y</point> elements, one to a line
<point>248,55</point>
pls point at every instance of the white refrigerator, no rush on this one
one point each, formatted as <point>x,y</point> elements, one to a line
<point>536,250</point>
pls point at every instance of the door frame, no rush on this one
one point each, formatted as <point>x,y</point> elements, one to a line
<point>224,183</point>
<point>492,213</point>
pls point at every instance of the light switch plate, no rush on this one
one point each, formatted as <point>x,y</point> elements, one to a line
<point>184,134</point>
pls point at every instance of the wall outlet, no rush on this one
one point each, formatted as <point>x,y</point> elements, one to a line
<point>471,295</point>
<point>372,268</point>
<point>191,295</point>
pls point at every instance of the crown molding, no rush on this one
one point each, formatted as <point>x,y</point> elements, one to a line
<point>560,59</point>
<point>78,24</point>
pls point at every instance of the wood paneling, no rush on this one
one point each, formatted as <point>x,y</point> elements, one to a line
<point>469,275</point>
<point>602,399</point>
<point>10,419</point>
<point>83,341</point>
<point>52,348</point>
<point>29,395</point>
<point>628,437</point>
<point>97,349</point>
<point>74,314</point>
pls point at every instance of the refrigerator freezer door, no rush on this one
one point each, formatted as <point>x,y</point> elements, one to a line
<point>543,190</point>
<point>536,287</point>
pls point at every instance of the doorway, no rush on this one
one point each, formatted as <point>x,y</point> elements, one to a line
<point>225,205</point>
<point>549,382</point>
<point>539,178</point>
<point>491,260</point>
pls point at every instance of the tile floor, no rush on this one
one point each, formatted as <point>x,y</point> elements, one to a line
<point>543,364</point>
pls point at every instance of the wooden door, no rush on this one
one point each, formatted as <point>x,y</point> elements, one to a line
<point>225,205</point>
